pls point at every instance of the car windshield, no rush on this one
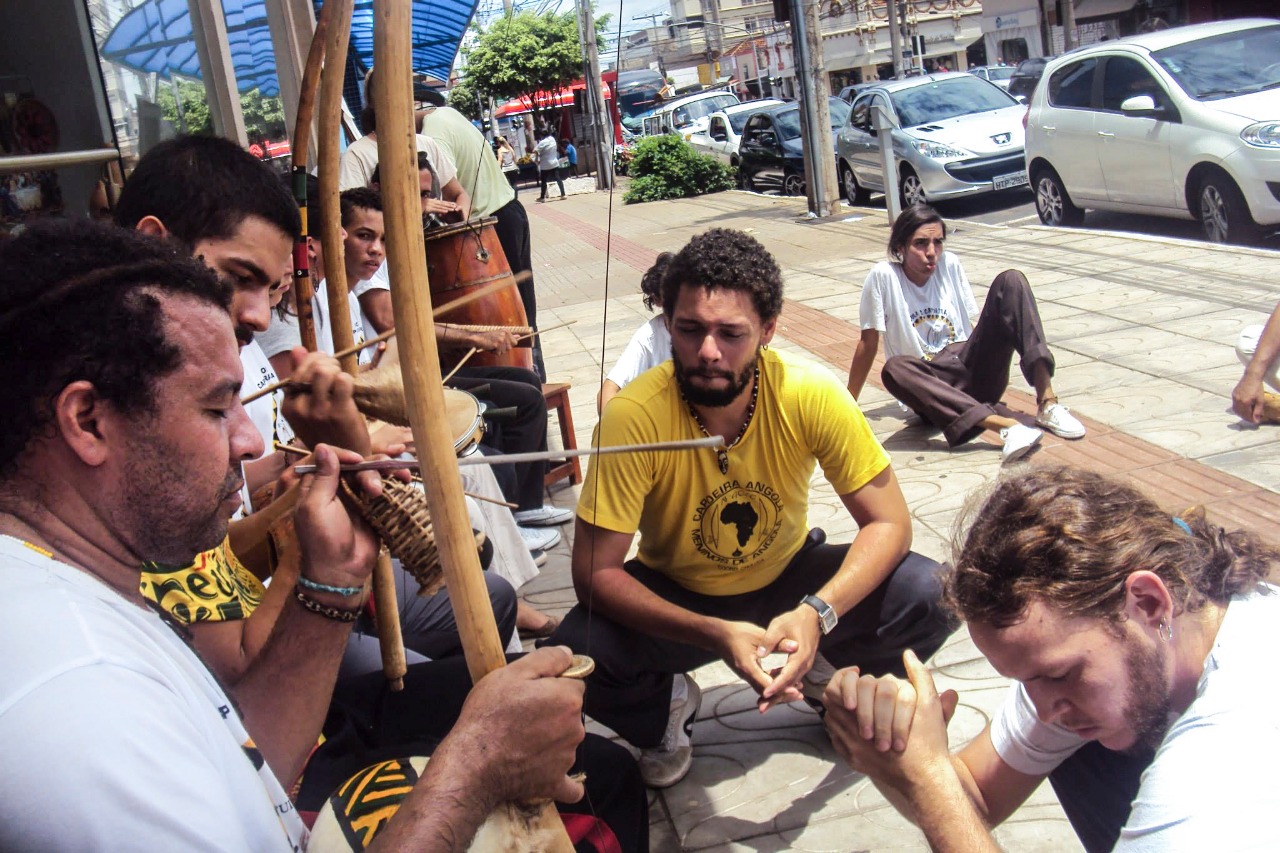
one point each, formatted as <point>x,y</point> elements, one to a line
<point>787,123</point>
<point>691,112</point>
<point>1231,64</point>
<point>839,113</point>
<point>739,120</point>
<point>944,99</point>
<point>999,73</point>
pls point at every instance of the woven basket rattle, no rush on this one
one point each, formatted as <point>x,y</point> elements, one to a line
<point>401,518</point>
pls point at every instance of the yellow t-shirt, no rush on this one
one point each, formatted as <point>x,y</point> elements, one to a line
<point>214,588</point>
<point>720,534</point>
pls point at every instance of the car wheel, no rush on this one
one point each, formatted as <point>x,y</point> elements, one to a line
<point>793,184</point>
<point>910,190</point>
<point>853,191</point>
<point>1053,205</point>
<point>1224,213</point>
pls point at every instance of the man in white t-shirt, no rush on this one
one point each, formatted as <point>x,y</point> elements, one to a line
<point>943,361</point>
<point>120,455</point>
<point>1142,648</point>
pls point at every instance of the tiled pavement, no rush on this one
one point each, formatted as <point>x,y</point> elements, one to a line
<point>1142,330</point>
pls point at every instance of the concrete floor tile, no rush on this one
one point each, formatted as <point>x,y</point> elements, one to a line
<point>1258,465</point>
<point>1147,401</point>
<point>1199,434</point>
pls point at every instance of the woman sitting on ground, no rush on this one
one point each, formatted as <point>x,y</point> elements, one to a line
<point>944,361</point>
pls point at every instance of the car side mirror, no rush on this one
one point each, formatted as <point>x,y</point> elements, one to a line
<point>1141,106</point>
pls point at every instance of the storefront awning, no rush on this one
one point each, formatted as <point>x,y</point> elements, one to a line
<point>155,36</point>
<point>545,100</point>
<point>1102,8</point>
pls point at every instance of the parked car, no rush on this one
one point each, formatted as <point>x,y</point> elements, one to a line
<point>724,130</point>
<point>685,114</point>
<point>953,135</point>
<point>1183,123</point>
<point>1025,77</point>
<point>998,74</point>
<point>771,155</point>
<point>848,93</point>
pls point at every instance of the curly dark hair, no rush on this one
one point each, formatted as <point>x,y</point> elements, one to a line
<point>1071,538</point>
<point>363,198</point>
<point>907,223</point>
<point>82,300</point>
<point>203,188</point>
<point>651,282</point>
<point>728,259</point>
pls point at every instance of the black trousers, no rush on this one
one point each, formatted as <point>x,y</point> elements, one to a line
<point>512,229</point>
<point>556,174</point>
<point>1096,787</point>
<point>630,690</point>
<point>959,388</point>
<point>368,723</point>
<point>526,432</point>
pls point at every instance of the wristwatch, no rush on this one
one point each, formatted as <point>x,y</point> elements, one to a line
<point>827,617</point>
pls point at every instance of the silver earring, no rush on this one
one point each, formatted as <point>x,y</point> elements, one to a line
<point>1166,629</point>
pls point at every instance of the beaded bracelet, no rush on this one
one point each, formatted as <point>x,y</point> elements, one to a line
<point>337,614</point>
<point>316,586</point>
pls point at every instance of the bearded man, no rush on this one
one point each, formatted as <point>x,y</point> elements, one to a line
<point>727,566</point>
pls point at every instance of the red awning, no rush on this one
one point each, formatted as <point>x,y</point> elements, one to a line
<point>564,98</point>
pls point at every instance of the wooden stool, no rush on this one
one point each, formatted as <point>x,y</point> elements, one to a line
<point>557,397</point>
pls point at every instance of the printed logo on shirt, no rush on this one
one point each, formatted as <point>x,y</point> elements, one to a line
<point>935,330</point>
<point>736,524</point>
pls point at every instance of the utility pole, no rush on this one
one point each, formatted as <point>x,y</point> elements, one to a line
<point>904,33</point>
<point>1069,36</point>
<point>895,38</point>
<point>815,112</point>
<point>600,128</point>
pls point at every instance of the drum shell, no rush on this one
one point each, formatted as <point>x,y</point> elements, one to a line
<point>462,258</point>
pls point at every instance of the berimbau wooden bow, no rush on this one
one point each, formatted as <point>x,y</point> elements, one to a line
<point>390,640</point>
<point>411,302</point>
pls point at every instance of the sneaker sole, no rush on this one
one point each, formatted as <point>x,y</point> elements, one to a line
<point>1061,433</point>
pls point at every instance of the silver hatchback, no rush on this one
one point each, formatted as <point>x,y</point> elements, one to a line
<point>953,135</point>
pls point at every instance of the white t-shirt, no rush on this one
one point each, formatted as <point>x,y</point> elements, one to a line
<point>1211,785</point>
<point>264,411</point>
<point>649,347</point>
<point>918,321</point>
<point>548,153</point>
<point>361,158</point>
<point>284,334</point>
<point>114,734</point>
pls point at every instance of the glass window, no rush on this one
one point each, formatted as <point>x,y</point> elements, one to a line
<point>1124,78</point>
<point>1231,64</point>
<point>943,99</point>
<point>738,120</point>
<point>755,127</point>
<point>787,123</point>
<point>1072,86</point>
<point>839,113</point>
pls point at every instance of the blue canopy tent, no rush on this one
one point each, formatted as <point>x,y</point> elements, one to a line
<point>156,37</point>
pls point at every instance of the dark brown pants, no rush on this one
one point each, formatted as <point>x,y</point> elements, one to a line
<point>959,388</point>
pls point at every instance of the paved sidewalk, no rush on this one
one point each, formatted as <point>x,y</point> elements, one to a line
<point>1143,331</point>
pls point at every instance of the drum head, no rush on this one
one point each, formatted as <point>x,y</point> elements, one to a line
<point>462,410</point>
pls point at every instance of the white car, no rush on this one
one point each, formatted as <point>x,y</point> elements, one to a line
<point>1183,123</point>
<point>723,133</point>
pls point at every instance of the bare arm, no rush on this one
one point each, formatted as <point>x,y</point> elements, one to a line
<point>863,357</point>
<point>1246,399</point>
<point>608,391</point>
<point>454,192</point>
<point>884,537</point>
<point>600,580</point>
<point>515,741</point>
<point>376,305</point>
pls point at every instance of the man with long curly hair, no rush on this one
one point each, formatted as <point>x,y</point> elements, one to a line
<point>728,568</point>
<point>1141,646</point>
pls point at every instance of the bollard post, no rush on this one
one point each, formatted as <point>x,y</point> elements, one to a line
<point>884,133</point>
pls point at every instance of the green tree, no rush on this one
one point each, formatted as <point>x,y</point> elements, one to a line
<point>668,167</point>
<point>462,97</point>
<point>263,116</point>
<point>528,54</point>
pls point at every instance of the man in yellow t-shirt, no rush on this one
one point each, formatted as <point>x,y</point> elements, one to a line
<point>727,568</point>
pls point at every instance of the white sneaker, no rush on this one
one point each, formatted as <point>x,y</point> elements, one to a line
<point>1057,419</point>
<point>1018,439</point>
<point>669,762</point>
<point>543,516</point>
<point>539,558</point>
<point>539,539</point>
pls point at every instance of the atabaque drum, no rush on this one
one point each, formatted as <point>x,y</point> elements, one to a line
<point>463,258</point>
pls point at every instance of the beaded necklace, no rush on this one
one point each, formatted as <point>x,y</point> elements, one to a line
<point>722,452</point>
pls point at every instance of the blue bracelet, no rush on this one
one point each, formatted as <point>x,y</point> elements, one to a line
<point>314,586</point>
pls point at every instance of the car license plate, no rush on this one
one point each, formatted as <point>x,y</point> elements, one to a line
<point>1004,182</point>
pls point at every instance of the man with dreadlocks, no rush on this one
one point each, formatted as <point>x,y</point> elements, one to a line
<point>1142,649</point>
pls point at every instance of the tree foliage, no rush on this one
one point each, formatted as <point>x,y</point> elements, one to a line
<point>668,167</point>
<point>527,54</point>
<point>263,116</point>
<point>463,98</point>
